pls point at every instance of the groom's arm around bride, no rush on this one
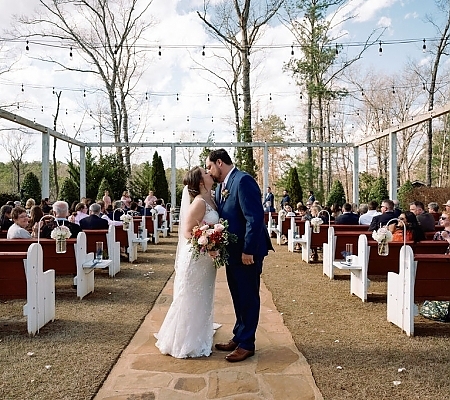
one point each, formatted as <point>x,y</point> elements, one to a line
<point>239,202</point>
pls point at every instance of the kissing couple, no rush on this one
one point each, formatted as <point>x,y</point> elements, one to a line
<point>188,328</point>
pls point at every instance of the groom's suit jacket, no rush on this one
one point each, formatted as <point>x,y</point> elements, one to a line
<point>243,210</point>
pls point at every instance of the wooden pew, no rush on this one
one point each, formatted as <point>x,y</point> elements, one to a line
<point>420,277</point>
<point>22,276</point>
<point>62,263</point>
<point>129,240</point>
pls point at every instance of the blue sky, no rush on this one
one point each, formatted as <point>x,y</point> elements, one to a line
<point>193,117</point>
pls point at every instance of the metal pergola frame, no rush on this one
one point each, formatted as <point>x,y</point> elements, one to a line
<point>391,132</point>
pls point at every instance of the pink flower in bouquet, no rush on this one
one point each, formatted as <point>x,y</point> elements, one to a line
<point>219,227</point>
<point>203,240</point>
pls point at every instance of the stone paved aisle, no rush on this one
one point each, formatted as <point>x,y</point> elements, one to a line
<point>277,371</point>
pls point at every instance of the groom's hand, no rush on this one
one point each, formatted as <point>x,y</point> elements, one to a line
<point>247,259</point>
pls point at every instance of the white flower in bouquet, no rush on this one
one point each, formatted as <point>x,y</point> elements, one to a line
<point>61,232</point>
<point>316,221</point>
<point>126,218</point>
<point>382,235</point>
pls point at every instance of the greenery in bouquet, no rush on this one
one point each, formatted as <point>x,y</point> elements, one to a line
<point>61,232</point>
<point>212,240</point>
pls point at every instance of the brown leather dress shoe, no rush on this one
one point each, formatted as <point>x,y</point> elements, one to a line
<point>239,354</point>
<point>230,346</point>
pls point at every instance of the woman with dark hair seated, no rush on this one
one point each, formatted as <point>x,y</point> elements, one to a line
<point>5,217</point>
<point>414,233</point>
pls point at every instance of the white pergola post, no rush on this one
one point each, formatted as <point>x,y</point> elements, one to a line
<point>82,171</point>
<point>393,165</point>
<point>265,170</point>
<point>45,189</point>
<point>356,175</point>
<point>173,176</point>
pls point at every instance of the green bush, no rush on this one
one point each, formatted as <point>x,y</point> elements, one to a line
<point>31,188</point>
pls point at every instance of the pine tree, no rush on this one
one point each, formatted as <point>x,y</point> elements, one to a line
<point>158,180</point>
<point>141,182</point>
<point>294,187</point>
<point>379,191</point>
<point>31,188</point>
<point>337,194</point>
<point>70,191</point>
<point>104,185</point>
<point>404,193</point>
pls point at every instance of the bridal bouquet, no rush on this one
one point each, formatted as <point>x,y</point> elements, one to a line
<point>212,240</point>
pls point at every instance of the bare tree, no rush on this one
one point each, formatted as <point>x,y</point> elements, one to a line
<point>105,34</point>
<point>438,52</point>
<point>16,146</point>
<point>239,24</point>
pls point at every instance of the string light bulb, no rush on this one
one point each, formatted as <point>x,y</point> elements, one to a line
<point>203,51</point>
<point>337,50</point>
<point>27,48</point>
<point>292,50</point>
<point>70,54</point>
<point>380,50</point>
<point>159,51</point>
<point>424,46</point>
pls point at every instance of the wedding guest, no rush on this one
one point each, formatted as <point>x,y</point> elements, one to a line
<point>34,223</point>
<point>426,220</point>
<point>126,199</point>
<point>285,199</point>
<point>133,211</point>
<point>20,222</point>
<point>150,200</point>
<point>444,234</point>
<point>28,204</point>
<point>81,211</point>
<point>60,212</point>
<point>387,214</point>
<point>45,206</point>
<point>366,218</point>
<point>348,217</point>
<point>413,231</point>
<point>94,221</point>
<point>269,201</point>
<point>107,199</point>
<point>311,197</point>
<point>5,217</point>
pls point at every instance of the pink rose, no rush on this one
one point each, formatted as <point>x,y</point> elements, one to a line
<point>204,227</point>
<point>219,227</point>
<point>202,240</point>
<point>209,232</point>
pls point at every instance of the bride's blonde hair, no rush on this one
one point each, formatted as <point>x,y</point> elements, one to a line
<point>192,180</point>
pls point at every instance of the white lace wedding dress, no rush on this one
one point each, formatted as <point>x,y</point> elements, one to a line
<point>187,330</point>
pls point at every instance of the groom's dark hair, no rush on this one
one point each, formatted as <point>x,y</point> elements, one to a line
<point>220,154</point>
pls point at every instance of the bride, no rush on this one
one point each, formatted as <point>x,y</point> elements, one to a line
<point>187,330</point>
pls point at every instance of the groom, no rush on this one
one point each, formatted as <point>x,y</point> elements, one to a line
<point>238,199</point>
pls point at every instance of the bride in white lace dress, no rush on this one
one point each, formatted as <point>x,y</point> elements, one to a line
<point>187,330</point>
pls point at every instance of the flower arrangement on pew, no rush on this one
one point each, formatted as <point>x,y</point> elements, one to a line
<point>316,222</point>
<point>383,236</point>
<point>212,240</point>
<point>126,219</point>
<point>61,233</point>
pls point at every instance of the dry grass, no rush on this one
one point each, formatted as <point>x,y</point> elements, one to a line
<point>330,328</point>
<point>333,329</point>
<point>87,337</point>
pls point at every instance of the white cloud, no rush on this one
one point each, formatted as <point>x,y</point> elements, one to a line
<point>412,15</point>
<point>384,22</point>
<point>365,10</point>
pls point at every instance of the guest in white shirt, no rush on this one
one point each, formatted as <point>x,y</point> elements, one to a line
<point>20,222</point>
<point>366,218</point>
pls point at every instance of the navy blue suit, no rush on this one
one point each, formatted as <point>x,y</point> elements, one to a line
<point>94,222</point>
<point>243,210</point>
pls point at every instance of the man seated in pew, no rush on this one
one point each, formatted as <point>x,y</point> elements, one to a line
<point>414,232</point>
<point>60,212</point>
<point>94,221</point>
<point>426,220</point>
<point>444,221</point>
<point>20,222</point>
<point>387,213</point>
<point>348,217</point>
<point>366,218</point>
